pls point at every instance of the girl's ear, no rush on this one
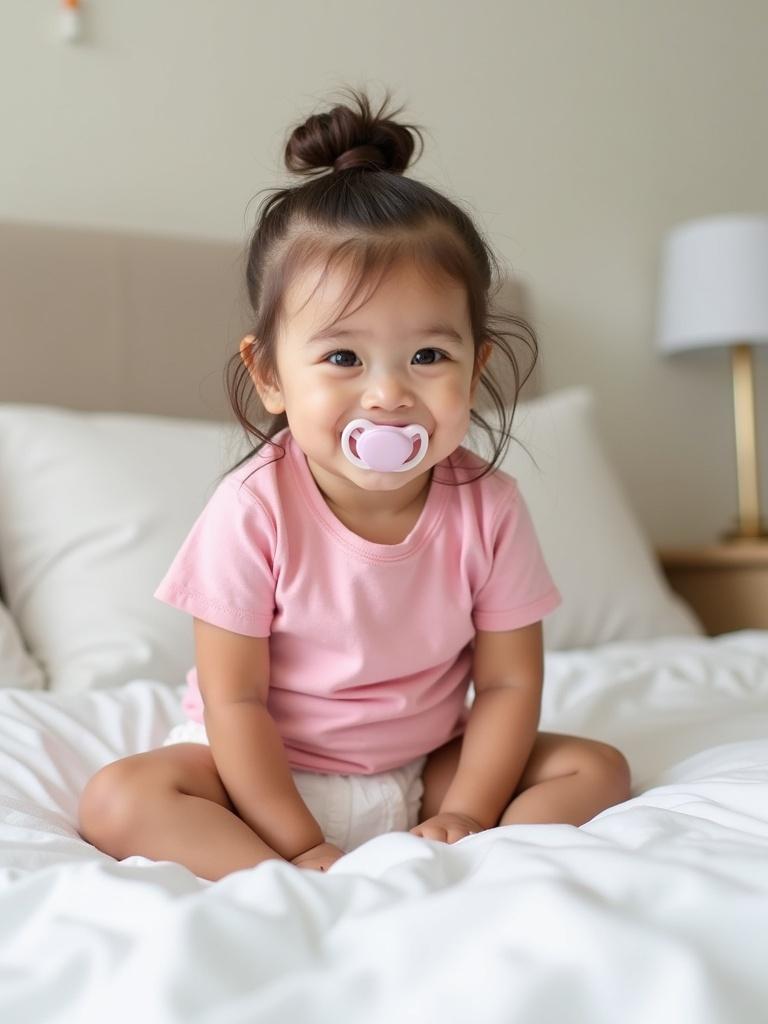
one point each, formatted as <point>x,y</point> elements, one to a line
<point>269,394</point>
<point>484,355</point>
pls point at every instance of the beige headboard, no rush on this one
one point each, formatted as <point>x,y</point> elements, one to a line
<point>104,320</point>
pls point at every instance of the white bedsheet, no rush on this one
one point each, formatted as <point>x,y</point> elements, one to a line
<point>655,911</point>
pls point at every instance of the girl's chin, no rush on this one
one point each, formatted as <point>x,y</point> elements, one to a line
<point>374,480</point>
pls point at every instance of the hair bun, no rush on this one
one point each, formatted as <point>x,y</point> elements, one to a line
<point>345,139</point>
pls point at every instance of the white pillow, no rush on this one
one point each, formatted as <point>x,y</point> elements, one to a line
<point>17,668</point>
<point>94,506</point>
<point>601,561</point>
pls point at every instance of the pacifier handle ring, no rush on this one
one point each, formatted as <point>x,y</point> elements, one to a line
<point>349,430</point>
<point>415,430</point>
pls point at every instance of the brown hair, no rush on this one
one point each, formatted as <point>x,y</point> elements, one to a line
<point>368,215</point>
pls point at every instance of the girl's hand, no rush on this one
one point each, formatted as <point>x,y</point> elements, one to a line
<point>447,827</point>
<point>319,858</point>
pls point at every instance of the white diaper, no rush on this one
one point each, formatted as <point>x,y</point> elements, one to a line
<point>350,809</point>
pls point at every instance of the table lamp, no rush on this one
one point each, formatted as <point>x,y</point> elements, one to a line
<point>714,291</point>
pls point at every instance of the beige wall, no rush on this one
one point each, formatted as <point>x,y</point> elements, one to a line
<point>576,131</point>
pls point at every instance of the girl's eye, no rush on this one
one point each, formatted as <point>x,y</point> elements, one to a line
<point>431,362</point>
<point>341,352</point>
<point>348,352</point>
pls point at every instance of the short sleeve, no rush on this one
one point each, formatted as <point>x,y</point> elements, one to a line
<point>223,572</point>
<point>519,589</point>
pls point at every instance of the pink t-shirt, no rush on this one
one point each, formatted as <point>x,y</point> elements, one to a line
<point>370,644</point>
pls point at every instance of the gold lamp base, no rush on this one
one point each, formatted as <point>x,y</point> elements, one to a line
<point>750,527</point>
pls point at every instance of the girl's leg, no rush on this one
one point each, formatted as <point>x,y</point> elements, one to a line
<point>568,780</point>
<point>169,804</point>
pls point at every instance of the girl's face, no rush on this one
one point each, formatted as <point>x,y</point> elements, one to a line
<point>405,356</point>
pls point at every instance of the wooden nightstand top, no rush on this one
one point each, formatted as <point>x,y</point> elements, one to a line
<point>738,554</point>
<point>726,583</point>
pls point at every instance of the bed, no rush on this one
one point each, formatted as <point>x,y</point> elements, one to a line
<point>656,909</point>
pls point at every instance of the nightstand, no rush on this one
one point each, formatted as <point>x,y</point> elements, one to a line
<point>726,585</point>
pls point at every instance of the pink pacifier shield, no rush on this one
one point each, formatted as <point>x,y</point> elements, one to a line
<point>385,449</point>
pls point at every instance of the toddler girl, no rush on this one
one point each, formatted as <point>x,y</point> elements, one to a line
<point>354,572</point>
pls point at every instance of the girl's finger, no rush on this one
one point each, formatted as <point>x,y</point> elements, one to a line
<point>456,836</point>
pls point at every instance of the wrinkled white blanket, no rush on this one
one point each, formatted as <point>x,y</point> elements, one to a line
<point>656,910</point>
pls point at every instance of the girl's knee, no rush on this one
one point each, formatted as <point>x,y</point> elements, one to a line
<point>109,802</point>
<point>613,767</point>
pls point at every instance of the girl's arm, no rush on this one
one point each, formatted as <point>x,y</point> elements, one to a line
<point>508,675</point>
<point>233,675</point>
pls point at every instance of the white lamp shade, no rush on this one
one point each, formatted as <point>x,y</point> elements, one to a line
<point>714,283</point>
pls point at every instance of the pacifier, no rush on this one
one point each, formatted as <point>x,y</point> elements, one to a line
<point>384,448</point>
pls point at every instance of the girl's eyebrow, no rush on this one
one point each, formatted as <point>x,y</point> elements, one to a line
<point>444,330</point>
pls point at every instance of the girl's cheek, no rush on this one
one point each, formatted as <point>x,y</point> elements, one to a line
<point>456,398</point>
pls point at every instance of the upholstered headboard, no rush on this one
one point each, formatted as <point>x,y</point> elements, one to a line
<point>106,320</point>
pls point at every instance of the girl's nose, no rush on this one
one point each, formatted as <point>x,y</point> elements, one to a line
<point>387,388</point>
